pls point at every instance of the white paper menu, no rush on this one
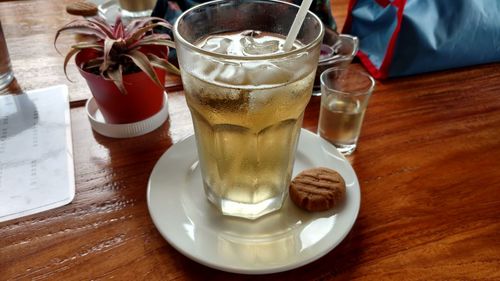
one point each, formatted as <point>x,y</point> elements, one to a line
<point>36,153</point>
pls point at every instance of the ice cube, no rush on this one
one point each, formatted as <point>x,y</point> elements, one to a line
<point>267,73</point>
<point>254,43</point>
<point>217,44</point>
<point>232,75</point>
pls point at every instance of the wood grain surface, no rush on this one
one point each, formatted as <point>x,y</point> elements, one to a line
<point>428,162</point>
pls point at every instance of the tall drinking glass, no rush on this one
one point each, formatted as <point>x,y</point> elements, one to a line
<point>247,97</point>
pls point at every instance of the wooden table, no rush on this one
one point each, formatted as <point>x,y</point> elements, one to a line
<point>428,162</point>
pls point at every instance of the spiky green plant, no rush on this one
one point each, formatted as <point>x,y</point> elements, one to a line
<point>120,47</point>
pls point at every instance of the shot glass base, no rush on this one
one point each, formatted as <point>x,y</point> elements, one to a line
<point>245,210</point>
<point>316,92</point>
<point>132,14</point>
<point>345,149</point>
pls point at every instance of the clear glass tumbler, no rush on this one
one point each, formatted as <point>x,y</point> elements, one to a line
<point>345,93</point>
<point>247,97</point>
<point>6,74</point>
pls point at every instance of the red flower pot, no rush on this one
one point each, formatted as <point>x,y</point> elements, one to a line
<point>143,99</point>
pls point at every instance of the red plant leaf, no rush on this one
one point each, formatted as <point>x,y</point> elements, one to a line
<point>69,55</point>
<point>158,36</point>
<point>142,61</point>
<point>137,23</point>
<point>118,29</point>
<point>91,64</point>
<point>137,34</point>
<point>154,39</point>
<point>80,28</point>
<point>108,45</point>
<point>153,42</point>
<point>162,63</point>
<point>116,75</point>
<point>102,25</point>
<point>88,45</point>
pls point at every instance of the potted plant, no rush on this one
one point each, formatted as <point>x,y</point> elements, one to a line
<point>123,65</point>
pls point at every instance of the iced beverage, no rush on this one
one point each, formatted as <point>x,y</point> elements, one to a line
<point>247,101</point>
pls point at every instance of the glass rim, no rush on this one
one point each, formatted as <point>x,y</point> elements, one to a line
<point>179,38</point>
<point>368,91</point>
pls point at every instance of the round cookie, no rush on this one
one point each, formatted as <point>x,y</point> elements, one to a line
<point>83,8</point>
<point>317,189</point>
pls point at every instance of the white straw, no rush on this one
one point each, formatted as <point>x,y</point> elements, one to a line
<point>297,23</point>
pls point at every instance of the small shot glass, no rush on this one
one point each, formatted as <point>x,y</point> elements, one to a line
<point>345,93</point>
<point>131,9</point>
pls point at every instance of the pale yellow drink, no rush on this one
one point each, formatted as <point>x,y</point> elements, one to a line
<point>137,5</point>
<point>246,135</point>
<point>340,121</point>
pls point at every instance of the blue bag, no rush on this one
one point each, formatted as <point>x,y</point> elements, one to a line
<point>404,37</point>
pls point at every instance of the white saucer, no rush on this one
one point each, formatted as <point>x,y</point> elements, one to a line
<point>280,241</point>
<point>128,130</point>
